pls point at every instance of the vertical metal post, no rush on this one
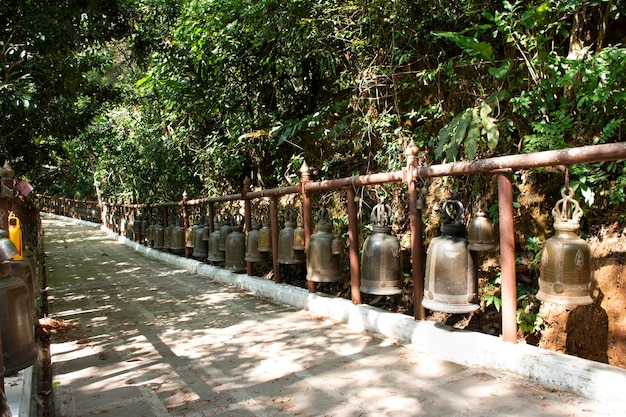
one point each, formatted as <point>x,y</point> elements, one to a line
<point>417,251</point>
<point>417,242</point>
<point>274,226</point>
<point>507,256</point>
<point>187,252</point>
<point>353,237</point>
<point>247,211</point>
<point>211,217</point>
<point>307,214</point>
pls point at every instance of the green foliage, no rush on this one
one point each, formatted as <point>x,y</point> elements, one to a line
<point>493,298</point>
<point>529,318</point>
<point>344,85</point>
<point>469,129</point>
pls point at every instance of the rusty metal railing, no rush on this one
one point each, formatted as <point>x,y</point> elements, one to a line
<point>412,175</point>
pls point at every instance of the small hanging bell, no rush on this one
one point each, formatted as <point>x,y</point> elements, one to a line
<point>480,233</point>
<point>298,234</point>
<point>191,230</point>
<point>337,246</point>
<point>450,274</point>
<point>565,269</point>
<point>265,237</point>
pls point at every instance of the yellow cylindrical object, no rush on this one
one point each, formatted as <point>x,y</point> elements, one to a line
<point>15,235</point>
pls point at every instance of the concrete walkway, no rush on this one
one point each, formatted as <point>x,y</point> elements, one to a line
<point>143,338</point>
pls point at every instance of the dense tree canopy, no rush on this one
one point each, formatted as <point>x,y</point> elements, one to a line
<point>148,98</point>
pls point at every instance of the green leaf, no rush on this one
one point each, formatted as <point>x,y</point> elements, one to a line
<point>143,80</point>
<point>469,45</point>
<point>473,136</point>
<point>501,71</point>
<point>461,129</point>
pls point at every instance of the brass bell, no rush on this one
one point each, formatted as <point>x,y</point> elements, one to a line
<point>144,230</point>
<point>137,228</point>
<point>235,246</point>
<point>190,232</point>
<point>322,264</point>
<point>16,321</point>
<point>286,252</point>
<point>215,254</point>
<point>450,275</point>
<point>480,233</point>
<point>200,246</point>
<point>252,244</point>
<point>381,265</point>
<point>265,237</point>
<point>159,235</point>
<point>225,230</point>
<point>206,231</point>
<point>178,237</point>
<point>150,235</point>
<point>169,232</point>
<point>565,269</point>
<point>298,234</point>
<point>337,246</point>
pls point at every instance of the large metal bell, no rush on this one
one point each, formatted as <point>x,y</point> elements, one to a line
<point>225,230</point>
<point>16,321</point>
<point>200,246</point>
<point>22,270</point>
<point>286,253</point>
<point>159,236</point>
<point>150,235</point>
<point>252,244</point>
<point>381,266</point>
<point>236,246</point>
<point>450,276</point>
<point>144,230</point>
<point>178,237</point>
<point>169,233</point>
<point>480,233</point>
<point>322,264</point>
<point>189,236</point>
<point>215,254</point>
<point>565,270</point>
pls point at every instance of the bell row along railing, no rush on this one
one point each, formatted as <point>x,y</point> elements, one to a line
<point>120,217</point>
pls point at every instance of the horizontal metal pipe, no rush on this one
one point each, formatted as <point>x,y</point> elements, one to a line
<point>580,155</point>
<point>356,181</point>
<point>293,189</point>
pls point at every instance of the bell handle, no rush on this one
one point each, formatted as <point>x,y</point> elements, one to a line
<point>567,209</point>
<point>450,208</point>
<point>237,219</point>
<point>323,216</point>
<point>289,215</point>
<point>381,214</point>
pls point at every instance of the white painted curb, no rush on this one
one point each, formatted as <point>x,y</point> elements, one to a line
<point>583,377</point>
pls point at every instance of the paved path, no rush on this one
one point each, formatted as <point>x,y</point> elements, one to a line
<point>144,339</point>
